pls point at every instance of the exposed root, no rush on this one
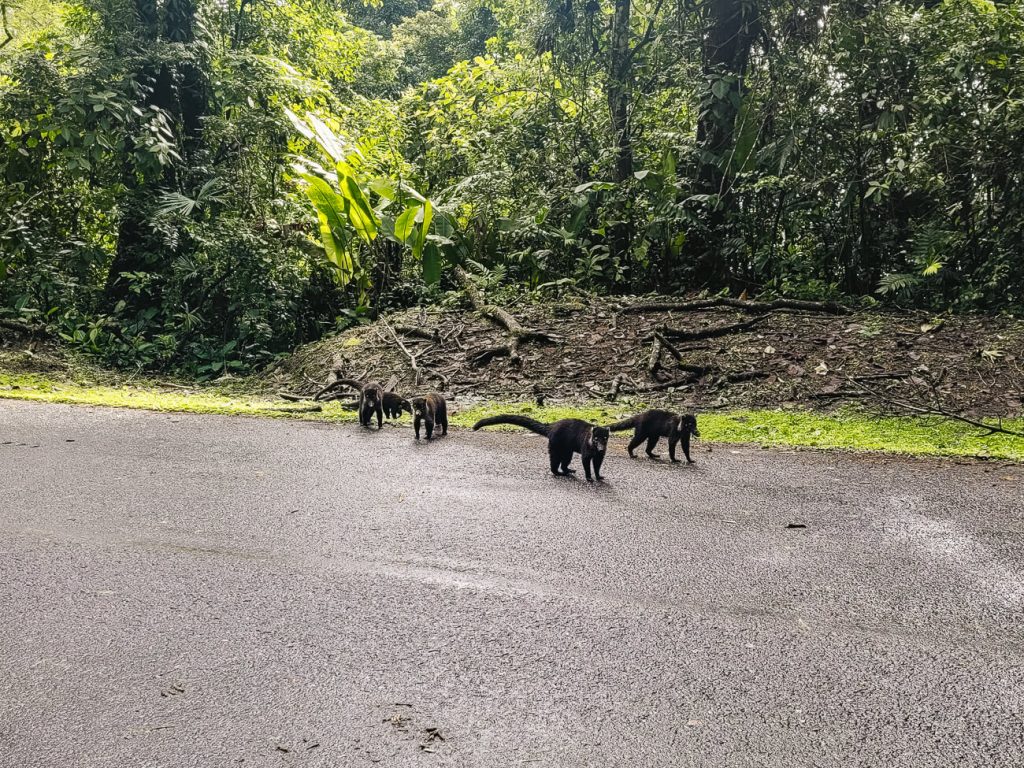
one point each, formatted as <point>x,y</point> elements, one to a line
<point>828,307</point>
<point>503,318</point>
<point>710,333</point>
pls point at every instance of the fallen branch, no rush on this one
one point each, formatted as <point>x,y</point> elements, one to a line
<point>482,358</point>
<point>293,398</point>
<point>419,333</point>
<point>827,307</point>
<point>617,383</point>
<point>20,326</point>
<point>709,333</point>
<point>736,378</point>
<point>935,410</point>
<point>675,383</point>
<point>655,360</point>
<point>883,376</point>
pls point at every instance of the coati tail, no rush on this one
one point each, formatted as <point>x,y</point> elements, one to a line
<point>619,426</point>
<point>520,421</point>
<point>349,383</point>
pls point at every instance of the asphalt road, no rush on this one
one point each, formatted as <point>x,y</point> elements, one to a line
<point>203,591</point>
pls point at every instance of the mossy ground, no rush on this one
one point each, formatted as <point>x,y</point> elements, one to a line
<point>791,428</point>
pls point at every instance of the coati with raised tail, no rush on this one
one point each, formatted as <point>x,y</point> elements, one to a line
<point>654,425</point>
<point>565,438</point>
<point>394,404</point>
<point>371,397</point>
<point>429,410</point>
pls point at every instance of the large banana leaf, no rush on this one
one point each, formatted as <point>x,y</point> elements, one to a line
<point>330,210</point>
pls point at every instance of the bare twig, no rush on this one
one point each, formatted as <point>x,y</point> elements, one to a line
<point>416,372</point>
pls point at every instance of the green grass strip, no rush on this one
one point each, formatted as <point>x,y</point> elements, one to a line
<point>921,436</point>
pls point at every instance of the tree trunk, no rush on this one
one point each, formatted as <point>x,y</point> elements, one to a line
<point>620,92</point>
<point>732,26</point>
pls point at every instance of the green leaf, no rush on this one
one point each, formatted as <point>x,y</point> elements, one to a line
<point>421,239</point>
<point>431,264</point>
<point>330,209</point>
<point>406,223</point>
<point>360,213</point>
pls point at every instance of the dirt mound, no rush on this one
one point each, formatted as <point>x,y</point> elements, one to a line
<point>704,357</point>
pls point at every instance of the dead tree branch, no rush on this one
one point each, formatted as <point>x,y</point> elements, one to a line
<point>827,307</point>
<point>677,334</point>
<point>934,409</point>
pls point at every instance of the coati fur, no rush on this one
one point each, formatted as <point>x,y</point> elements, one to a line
<point>654,425</point>
<point>371,397</point>
<point>394,404</point>
<point>565,438</point>
<point>429,410</point>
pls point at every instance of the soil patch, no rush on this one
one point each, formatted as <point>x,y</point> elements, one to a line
<point>779,358</point>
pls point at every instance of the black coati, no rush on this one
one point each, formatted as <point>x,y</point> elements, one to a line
<point>565,438</point>
<point>394,404</point>
<point>654,425</point>
<point>371,397</point>
<point>429,410</point>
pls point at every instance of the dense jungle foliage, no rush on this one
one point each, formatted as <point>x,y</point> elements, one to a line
<point>204,185</point>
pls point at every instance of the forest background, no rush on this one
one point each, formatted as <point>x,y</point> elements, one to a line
<point>202,186</point>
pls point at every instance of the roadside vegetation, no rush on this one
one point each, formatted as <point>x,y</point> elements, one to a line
<point>475,197</point>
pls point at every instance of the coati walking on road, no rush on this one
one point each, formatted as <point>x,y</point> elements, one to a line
<point>429,410</point>
<point>654,425</point>
<point>371,396</point>
<point>394,404</point>
<point>565,438</point>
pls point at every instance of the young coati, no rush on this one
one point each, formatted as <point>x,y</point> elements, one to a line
<point>371,396</point>
<point>653,425</point>
<point>429,410</point>
<point>394,404</point>
<point>565,438</point>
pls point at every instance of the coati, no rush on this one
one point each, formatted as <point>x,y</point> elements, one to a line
<point>429,410</point>
<point>565,438</point>
<point>394,404</point>
<point>654,425</point>
<point>371,396</point>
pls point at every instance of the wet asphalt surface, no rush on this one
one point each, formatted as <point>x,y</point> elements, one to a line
<point>203,591</point>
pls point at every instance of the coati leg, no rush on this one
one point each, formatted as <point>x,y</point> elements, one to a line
<point>634,444</point>
<point>686,448</point>
<point>416,425</point>
<point>586,469</point>
<point>444,425</point>
<point>554,465</point>
<point>672,441</point>
<point>429,423</point>
<point>566,470</point>
<point>380,416</point>
<point>651,442</point>
<point>598,460</point>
